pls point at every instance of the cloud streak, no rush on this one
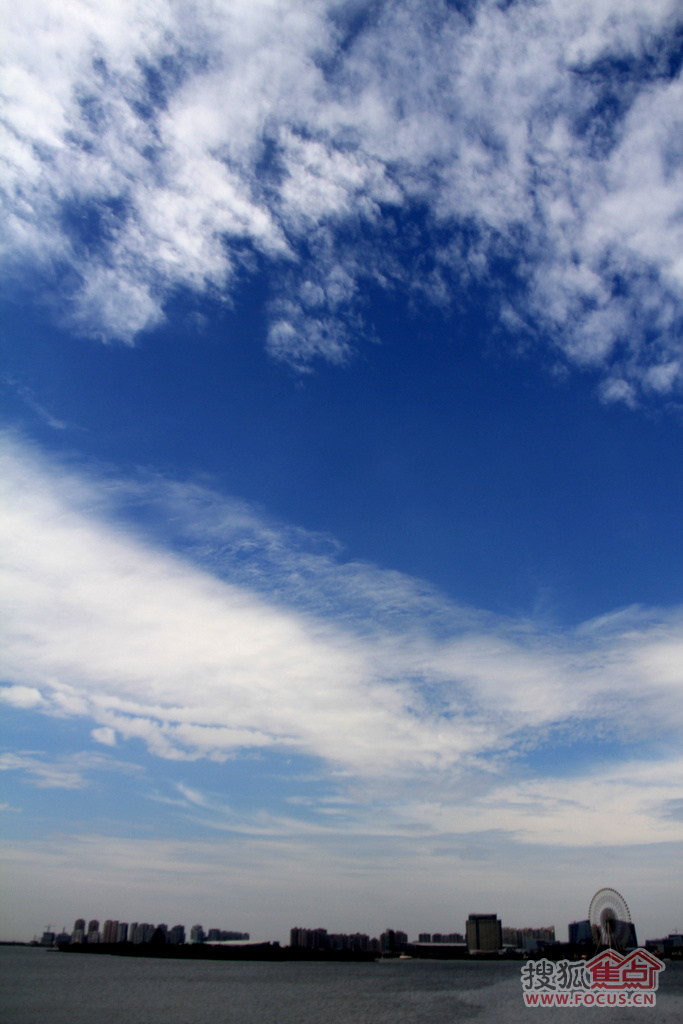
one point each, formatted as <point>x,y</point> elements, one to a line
<point>243,641</point>
<point>151,147</point>
<point>68,772</point>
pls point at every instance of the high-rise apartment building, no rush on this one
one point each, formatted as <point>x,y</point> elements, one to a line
<point>78,934</point>
<point>484,933</point>
<point>143,933</point>
<point>110,931</point>
<point>308,938</point>
<point>93,932</point>
<point>391,941</point>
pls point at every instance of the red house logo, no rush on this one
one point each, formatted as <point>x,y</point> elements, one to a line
<point>611,971</point>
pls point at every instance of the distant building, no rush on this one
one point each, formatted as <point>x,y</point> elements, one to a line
<point>484,933</point>
<point>131,931</point>
<point>93,932</point>
<point>351,942</point>
<point>392,941</point>
<point>580,933</point>
<point>110,931</point>
<point>669,944</point>
<point>309,938</point>
<point>176,936</point>
<point>78,934</point>
<point>143,933</point>
<point>223,935</point>
<point>318,938</point>
<point>529,939</point>
<point>121,932</point>
<point>425,937</point>
<point>197,933</point>
<point>48,938</point>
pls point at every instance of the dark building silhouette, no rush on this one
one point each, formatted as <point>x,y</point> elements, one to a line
<point>484,933</point>
<point>580,933</point>
<point>309,938</point>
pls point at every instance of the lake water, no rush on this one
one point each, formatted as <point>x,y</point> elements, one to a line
<point>40,987</point>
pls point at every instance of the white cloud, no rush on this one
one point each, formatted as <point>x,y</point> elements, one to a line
<point>21,696</point>
<point>543,134</point>
<point>104,735</point>
<point>260,638</point>
<point>27,396</point>
<point>601,807</point>
<point>72,771</point>
<point>191,796</point>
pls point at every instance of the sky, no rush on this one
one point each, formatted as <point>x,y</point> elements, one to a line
<point>342,432</point>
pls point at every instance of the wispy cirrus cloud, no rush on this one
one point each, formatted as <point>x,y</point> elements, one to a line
<point>72,771</point>
<point>233,634</point>
<point>27,396</point>
<point>151,147</point>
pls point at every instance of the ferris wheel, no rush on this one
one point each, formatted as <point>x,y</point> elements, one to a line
<point>610,919</point>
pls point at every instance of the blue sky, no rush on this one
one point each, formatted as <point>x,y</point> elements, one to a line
<point>342,410</point>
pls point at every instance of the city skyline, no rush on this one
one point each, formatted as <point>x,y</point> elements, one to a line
<point>483,933</point>
<point>116,930</point>
<point>342,430</point>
